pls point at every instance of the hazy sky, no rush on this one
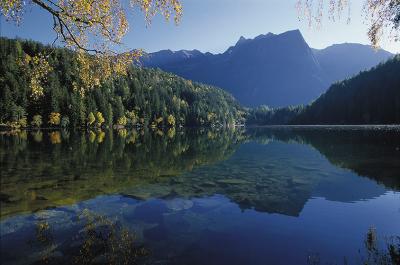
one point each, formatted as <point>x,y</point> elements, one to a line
<point>214,25</point>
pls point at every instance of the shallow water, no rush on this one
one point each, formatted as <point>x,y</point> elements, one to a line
<point>257,196</point>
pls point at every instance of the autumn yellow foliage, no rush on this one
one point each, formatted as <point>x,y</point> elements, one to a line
<point>159,120</point>
<point>122,121</point>
<point>99,118</point>
<point>381,15</point>
<point>55,137</point>
<point>37,68</point>
<point>171,120</point>
<point>91,119</point>
<point>54,118</point>
<point>103,22</point>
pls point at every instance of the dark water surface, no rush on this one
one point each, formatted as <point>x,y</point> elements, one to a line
<point>244,196</point>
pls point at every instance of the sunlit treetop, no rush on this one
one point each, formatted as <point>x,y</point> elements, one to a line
<point>94,28</point>
<point>383,16</point>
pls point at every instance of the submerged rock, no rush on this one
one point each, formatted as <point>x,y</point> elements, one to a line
<point>137,196</point>
<point>179,204</point>
<point>47,214</point>
<point>208,184</point>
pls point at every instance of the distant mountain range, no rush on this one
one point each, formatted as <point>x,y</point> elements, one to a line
<point>275,70</point>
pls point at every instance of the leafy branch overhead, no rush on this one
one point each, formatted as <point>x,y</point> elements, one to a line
<point>103,22</point>
<point>95,29</point>
<point>383,16</point>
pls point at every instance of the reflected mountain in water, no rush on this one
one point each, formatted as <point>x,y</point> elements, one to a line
<point>62,169</point>
<point>47,169</point>
<point>372,152</point>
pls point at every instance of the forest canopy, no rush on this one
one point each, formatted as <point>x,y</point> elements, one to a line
<point>144,97</point>
<point>371,97</point>
<point>94,29</point>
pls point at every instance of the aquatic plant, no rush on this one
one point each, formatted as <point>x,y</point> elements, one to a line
<point>374,252</point>
<point>103,238</point>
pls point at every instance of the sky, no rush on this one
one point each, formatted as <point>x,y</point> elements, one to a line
<point>214,25</point>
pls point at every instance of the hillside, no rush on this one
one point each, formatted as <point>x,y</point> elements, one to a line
<point>372,97</point>
<point>341,61</point>
<point>274,70</point>
<point>144,97</point>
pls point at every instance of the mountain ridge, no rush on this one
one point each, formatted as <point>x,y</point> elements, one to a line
<point>272,69</point>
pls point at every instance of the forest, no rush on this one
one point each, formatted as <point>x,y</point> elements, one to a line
<point>265,115</point>
<point>371,97</point>
<point>37,94</point>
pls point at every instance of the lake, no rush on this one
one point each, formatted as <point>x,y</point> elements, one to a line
<point>273,195</point>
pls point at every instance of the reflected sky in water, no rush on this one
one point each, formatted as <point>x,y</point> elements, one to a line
<point>255,196</point>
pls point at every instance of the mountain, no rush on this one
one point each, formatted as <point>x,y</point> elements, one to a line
<point>275,70</point>
<point>371,97</point>
<point>167,57</point>
<point>270,69</point>
<point>341,61</point>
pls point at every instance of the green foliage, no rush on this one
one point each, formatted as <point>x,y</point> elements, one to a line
<point>372,97</point>
<point>65,122</point>
<point>99,118</point>
<point>37,120</point>
<point>91,119</point>
<point>264,115</point>
<point>132,118</point>
<point>149,93</point>
<point>23,122</point>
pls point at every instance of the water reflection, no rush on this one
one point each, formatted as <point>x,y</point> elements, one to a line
<point>254,196</point>
<point>270,170</point>
<point>208,230</point>
<point>64,169</point>
<point>372,152</point>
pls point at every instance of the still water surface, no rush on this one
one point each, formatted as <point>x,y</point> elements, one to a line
<point>254,196</point>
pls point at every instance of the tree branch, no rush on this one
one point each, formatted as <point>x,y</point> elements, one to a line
<point>57,15</point>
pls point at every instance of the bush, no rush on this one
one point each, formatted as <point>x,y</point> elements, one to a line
<point>37,121</point>
<point>64,122</point>
<point>54,118</point>
<point>122,121</point>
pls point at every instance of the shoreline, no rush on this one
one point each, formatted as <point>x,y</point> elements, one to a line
<point>5,129</point>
